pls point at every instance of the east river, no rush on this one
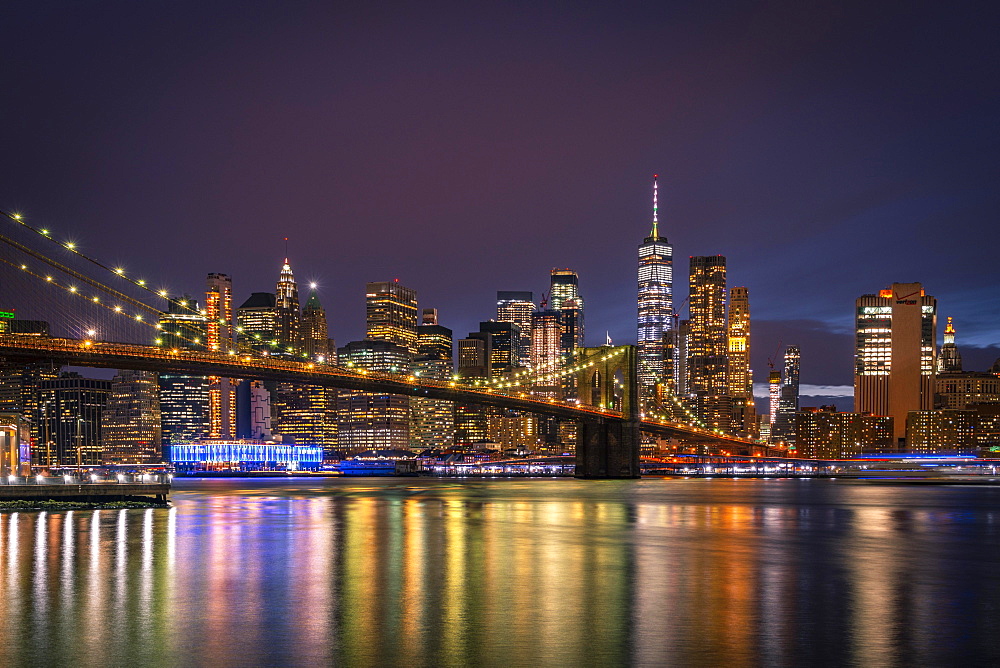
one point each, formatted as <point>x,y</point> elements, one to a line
<point>560,572</point>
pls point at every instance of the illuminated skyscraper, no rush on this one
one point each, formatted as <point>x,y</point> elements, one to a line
<point>392,314</point>
<point>517,307</point>
<point>433,419</point>
<point>546,339</point>
<point>565,299</point>
<point>474,354</point>
<point>286,302</point>
<point>894,359</point>
<point>708,341</point>
<point>950,360</point>
<point>740,376</point>
<point>315,333</point>
<point>183,399</point>
<point>219,330</point>
<point>73,409</point>
<point>257,323</point>
<point>131,420</point>
<point>788,402</point>
<point>304,414</point>
<point>656,305</point>
<point>370,420</point>
<point>774,399</point>
<point>20,381</point>
<point>506,342</point>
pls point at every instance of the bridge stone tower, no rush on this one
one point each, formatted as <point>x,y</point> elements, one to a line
<point>607,447</point>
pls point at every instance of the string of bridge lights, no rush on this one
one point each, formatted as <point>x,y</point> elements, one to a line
<point>534,375</point>
<point>72,247</point>
<point>140,283</point>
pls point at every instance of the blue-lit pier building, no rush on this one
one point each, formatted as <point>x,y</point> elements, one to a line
<point>245,455</point>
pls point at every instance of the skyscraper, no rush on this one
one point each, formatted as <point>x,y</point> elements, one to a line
<point>707,342</point>
<point>72,408</point>
<point>517,307</point>
<point>774,399</point>
<point>219,336</point>
<point>392,314</point>
<point>546,339</point>
<point>505,346</point>
<point>433,419</point>
<point>131,420</point>
<point>656,304</point>
<point>286,303</point>
<point>788,400</point>
<point>257,323</point>
<point>303,414</point>
<point>184,412</point>
<point>315,333</point>
<point>370,420</point>
<point>740,379</point>
<point>950,360</point>
<point>565,299</point>
<point>894,360</point>
<point>20,382</point>
<point>474,354</point>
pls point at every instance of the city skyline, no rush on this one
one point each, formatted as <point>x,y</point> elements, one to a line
<point>849,176</point>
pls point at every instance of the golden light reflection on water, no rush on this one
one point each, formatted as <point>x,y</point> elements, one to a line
<point>403,572</point>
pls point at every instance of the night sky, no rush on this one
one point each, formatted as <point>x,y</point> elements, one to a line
<point>827,149</point>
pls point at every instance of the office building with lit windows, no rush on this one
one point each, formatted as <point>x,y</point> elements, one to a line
<point>894,357</point>
<point>72,409</point>
<point>392,314</point>
<point>740,381</point>
<point>656,307</point>
<point>184,412</point>
<point>20,382</point>
<point>825,433</point>
<point>517,307</point>
<point>941,432</point>
<point>257,322</point>
<point>314,333</point>
<point>783,429</point>
<point>433,424</point>
<point>131,420</point>
<point>708,341</point>
<point>546,350</point>
<point>219,336</point>
<point>505,338</point>
<point>565,299</point>
<point>369,420</point>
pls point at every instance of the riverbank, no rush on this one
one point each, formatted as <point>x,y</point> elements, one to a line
<point>60,505</point>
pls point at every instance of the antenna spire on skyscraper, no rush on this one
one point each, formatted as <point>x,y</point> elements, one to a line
<point>656,221</point>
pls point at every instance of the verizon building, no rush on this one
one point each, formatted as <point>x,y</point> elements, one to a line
<point>894,365</point>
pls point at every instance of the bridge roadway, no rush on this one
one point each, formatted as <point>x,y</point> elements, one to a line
<point>26,348</point>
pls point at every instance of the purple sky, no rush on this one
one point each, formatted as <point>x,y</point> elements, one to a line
<point>827,149</point>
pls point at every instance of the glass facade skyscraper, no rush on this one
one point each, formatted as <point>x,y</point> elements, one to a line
<point>517,307</point>
<point>708,341</point>
<point>391,311</point>
<point>656,306</point>
<point>183,399</point>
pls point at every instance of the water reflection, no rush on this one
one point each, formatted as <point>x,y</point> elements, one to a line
<point>564,572</point>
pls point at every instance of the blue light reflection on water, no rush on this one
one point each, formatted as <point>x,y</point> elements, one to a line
<point>511,572</point>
